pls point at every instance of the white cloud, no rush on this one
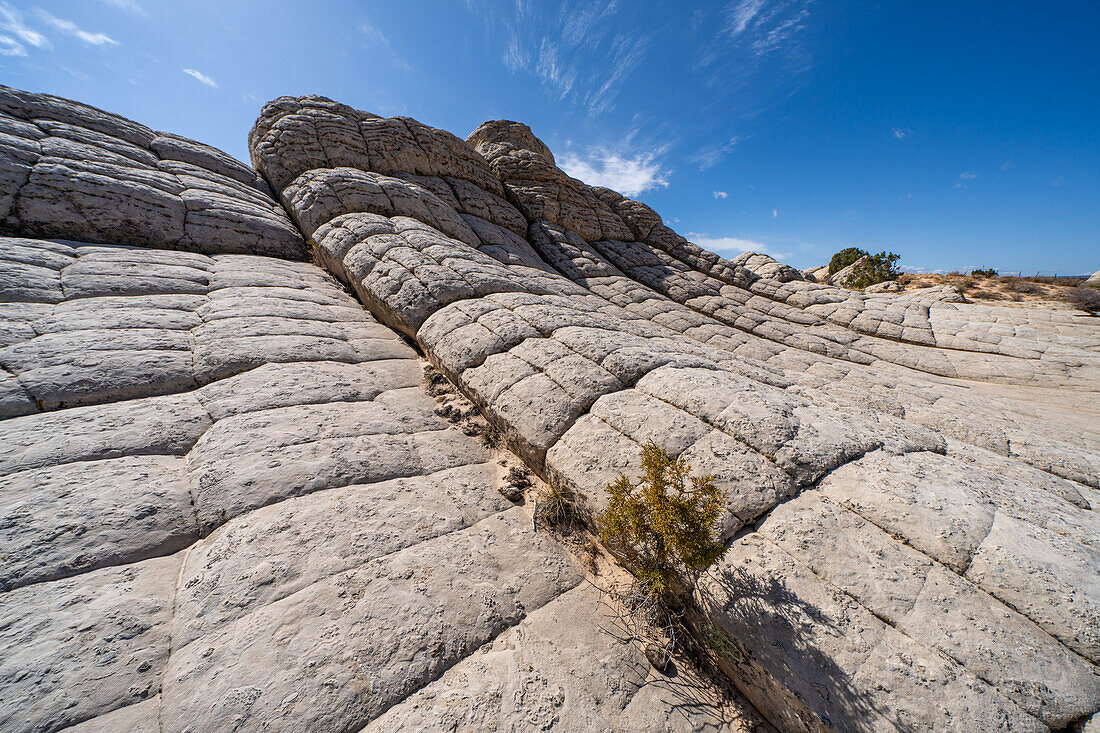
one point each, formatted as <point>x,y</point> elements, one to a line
<point>733,244</point>
<point>72,29</point>
<point>964,178</point>
<point>628,176</point>
<point>15,35</point>
<point>901,133</point>
<point>721,195</point>
<point>128,6</point>
<point>201,77</point>
<point>775,213</point>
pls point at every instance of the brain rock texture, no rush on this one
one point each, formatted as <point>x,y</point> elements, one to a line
<point>227,501</point>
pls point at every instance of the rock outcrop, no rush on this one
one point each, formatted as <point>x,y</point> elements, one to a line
<point>275,529</point>
<point>71,171</point>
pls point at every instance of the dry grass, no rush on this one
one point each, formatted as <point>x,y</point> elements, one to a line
<point>1003,289</point>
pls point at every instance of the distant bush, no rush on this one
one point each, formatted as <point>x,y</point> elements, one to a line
<point>874,269</point>
<point>1086,298</point>
<point>984,273</point>
<point>845,257</point>
<point>1017,285</point>
<point>665,525</point>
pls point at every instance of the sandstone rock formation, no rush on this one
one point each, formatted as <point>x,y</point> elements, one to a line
<point>816,274</point>
<point>228,503</point>
<point>72,171</point>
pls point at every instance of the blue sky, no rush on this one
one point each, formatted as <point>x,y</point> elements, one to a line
<point>956,134</point>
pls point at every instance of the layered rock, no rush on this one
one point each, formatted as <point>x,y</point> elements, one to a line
<point>784,389</point>
<point>72,171</point>
<point>275,529</point>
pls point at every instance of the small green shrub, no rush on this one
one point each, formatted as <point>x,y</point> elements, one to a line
<point>845,257</point>
<point>875,269</point>
<point>984,273</point>
<point>664,526</point>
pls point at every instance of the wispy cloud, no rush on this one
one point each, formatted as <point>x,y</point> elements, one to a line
<point>765,26</point>
<point>194,74</point>
<point>733,245</point>
<point>721,195</point>
<point>775,213</point>
<point>964,179</point>
<point>627,53</point>
<point>751,55</point>
<point>515,56</point>
<point>579,25</point>
<point>15,35</point>
<point>740,14</point>
<point>780,34</point>
<point>72,29</point>
<point>374,37</point>
<point>553,75</point>
<point>629,176</point>
<point>128,6</point>
<point>901,133</point>
<point>711,155</point>
<point>580,51</point>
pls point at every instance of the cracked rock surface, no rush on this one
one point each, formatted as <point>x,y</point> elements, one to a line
<point>227,501</point>
<point>915,475</point>
<point>284,533</point>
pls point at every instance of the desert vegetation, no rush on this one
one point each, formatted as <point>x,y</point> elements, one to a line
<point>845,257</point>
<point>989,285</point>
<point>867,269</point>
<point>663,526</point>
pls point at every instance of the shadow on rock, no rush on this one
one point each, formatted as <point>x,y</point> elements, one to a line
<point>782,651</point>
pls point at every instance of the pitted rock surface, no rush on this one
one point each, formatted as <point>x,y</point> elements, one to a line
<point>275,530</point>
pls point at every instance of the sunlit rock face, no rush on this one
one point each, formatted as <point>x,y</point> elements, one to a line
<point>228,503</point>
